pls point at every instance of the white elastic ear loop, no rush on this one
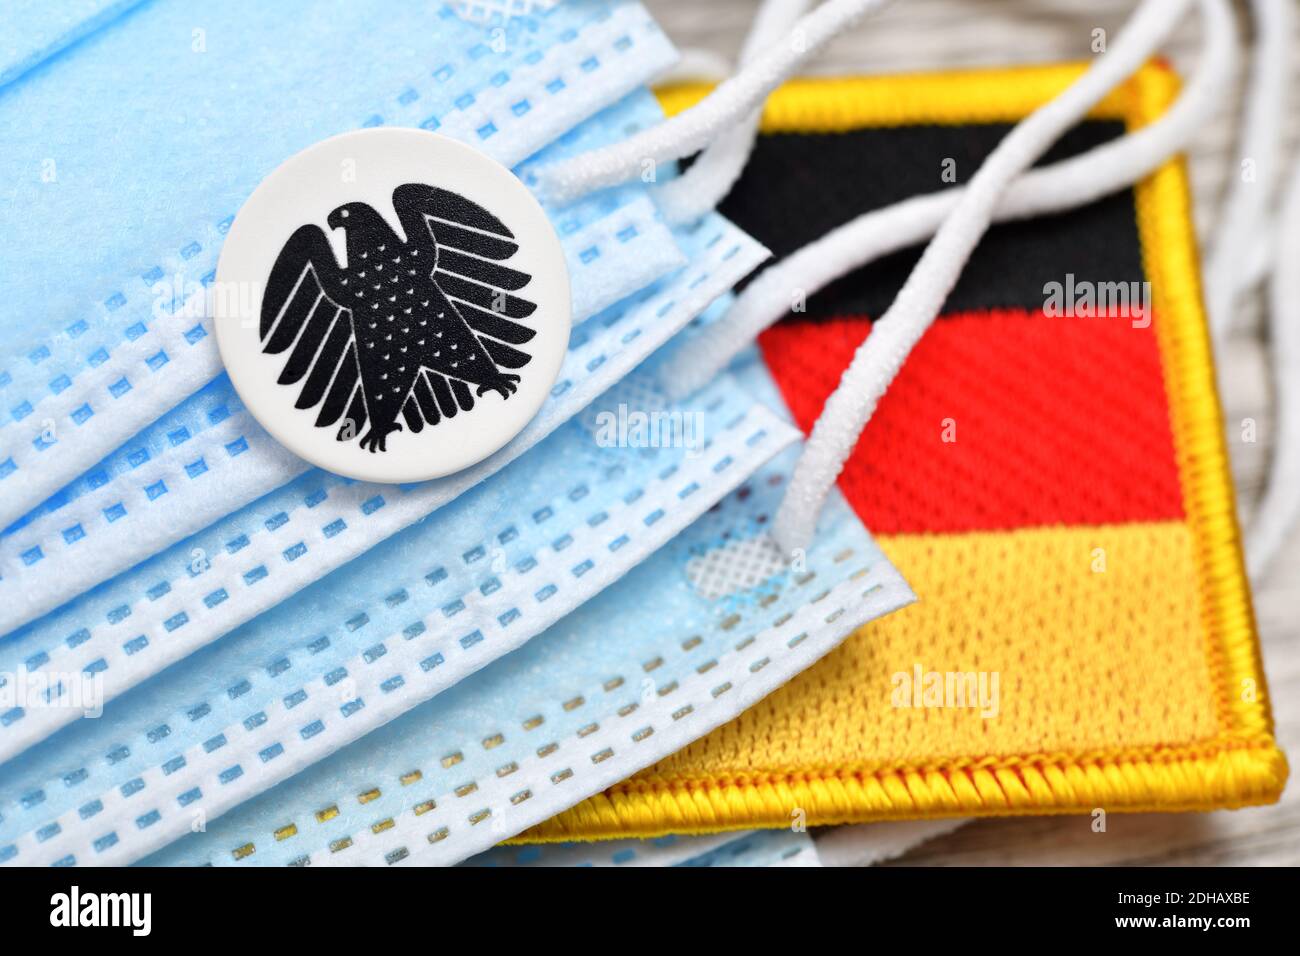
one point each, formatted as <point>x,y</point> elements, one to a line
<point>698,190</point>
<point>879,358</point>
<point>1062,185</point>
<point>1281,503</point>
<point>693,129</point>
<point>1228,269</point>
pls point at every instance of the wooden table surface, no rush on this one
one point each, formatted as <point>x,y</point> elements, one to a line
<point>930,34</point>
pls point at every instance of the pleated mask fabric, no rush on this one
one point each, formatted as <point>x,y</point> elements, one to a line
<point>159,486</point>
<point>89,358</point>
<point>190,594</point>
<point>605,691</point>
<point>134,509</point>
<point>756,848</point>
<point>421,612</point>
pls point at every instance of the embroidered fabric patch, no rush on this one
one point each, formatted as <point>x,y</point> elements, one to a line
<point>1048,471</point>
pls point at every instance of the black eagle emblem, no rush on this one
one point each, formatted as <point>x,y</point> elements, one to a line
<point>416,328</point>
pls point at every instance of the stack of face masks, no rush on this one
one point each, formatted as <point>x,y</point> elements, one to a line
<point>420,671</point>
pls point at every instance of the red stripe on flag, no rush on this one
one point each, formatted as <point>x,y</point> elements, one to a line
<point>1003,419</point>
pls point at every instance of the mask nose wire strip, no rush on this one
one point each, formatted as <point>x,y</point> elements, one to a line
<point>698,190</point>
<point>1280,505</point>
<point>1229,269</point>
<point>1048,189</point>
<point>694,129</point>
<point>893,336</point>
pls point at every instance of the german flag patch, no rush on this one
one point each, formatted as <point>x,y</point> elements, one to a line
<point>1048,471</point>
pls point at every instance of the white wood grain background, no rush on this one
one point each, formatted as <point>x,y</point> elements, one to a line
<point>928,34</point>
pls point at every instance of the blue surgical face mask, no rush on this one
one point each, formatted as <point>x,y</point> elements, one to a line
<point>145,497</point>
<point>601,694</point>
<point>759,848</point>
<point>471,583</point>
<point>159,486</point>
<point>762,848</point>
<point>181,599</point>
<point>113,185</point>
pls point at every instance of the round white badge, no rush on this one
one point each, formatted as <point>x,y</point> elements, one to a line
<point>392,305</point>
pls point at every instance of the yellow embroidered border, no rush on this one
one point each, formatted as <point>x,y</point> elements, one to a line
<point>1238,765</point>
